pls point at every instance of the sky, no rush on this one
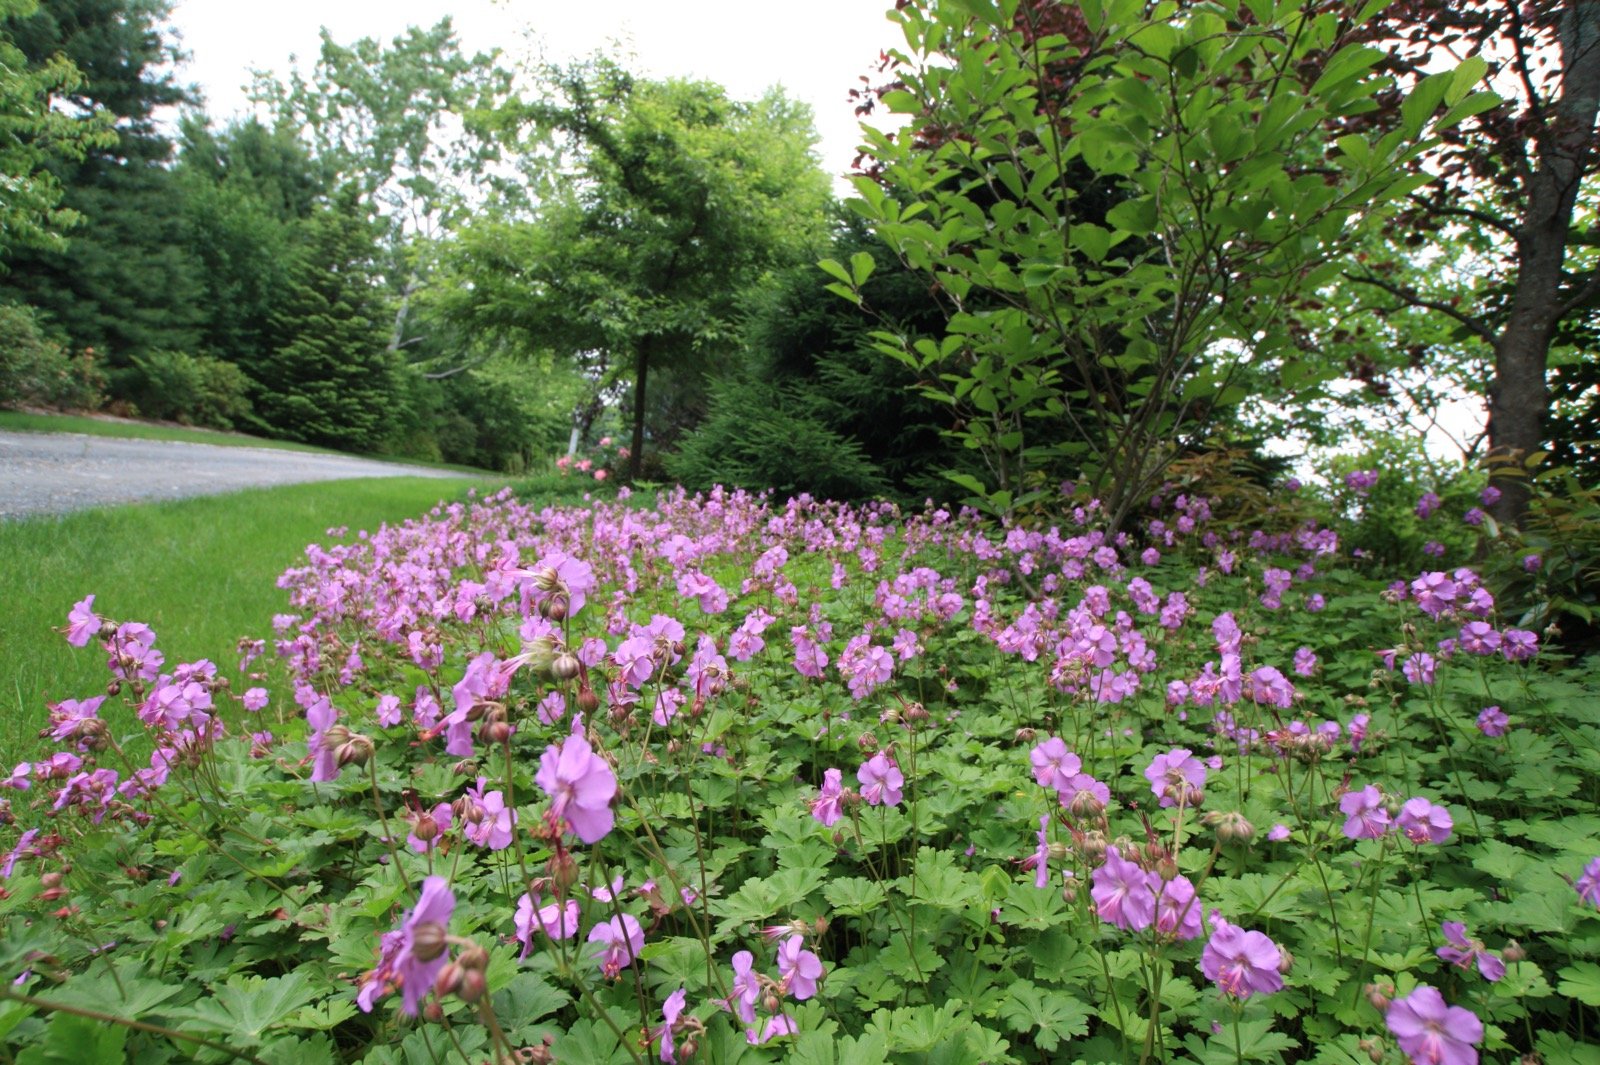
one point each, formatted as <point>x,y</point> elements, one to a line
<point>817,50</point>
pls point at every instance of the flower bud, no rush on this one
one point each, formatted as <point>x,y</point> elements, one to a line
<point>428,941</point>
<point>1379,995</point>
<point>563,871</point>
<point>432,1011</point>
<point>473,985</point>
<point>354,751</point>
<point>1086,805</point>
<point>1513,952</point>
<point>449,979</point>
<point>1232,827</point>
<point>555,608</point>
<point>771,1002</point>
<point>50,880</point>
<point>1285,961</point>
<point>867,742</point>
<point>588,701</point>
<point>1058,851</point>
<point>1025,735</point>
<point>565,667</point>
<point>473,957</point>
<point>494,733</point>
<point>426,828</point>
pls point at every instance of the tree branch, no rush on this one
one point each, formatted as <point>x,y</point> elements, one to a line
<point>1586,293</point>
<point>1411,298</point>
<point>1433,207</point>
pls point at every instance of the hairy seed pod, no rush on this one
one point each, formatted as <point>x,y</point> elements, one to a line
<point>448,980</point>
<point>428,941</point>
<point>566,667</point>
<point>473,957</point>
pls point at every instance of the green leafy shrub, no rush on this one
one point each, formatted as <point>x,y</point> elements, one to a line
<point>1406,508</point>
<point>36,370</point>
<point>759,435</point>
<point>193,390</point>
<point>1548,571</point>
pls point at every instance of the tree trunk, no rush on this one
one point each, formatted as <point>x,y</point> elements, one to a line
<point>641,369</point>
<point>1518,397</point>
<point>397,332</point>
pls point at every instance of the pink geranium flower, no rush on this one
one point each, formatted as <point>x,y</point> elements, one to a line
<point>1423,822</point>
<point>798,968</point>
<point>557,920</point>
<point>1177,909</point>
<point>881,780</point>
<point>826,807</point>
<point>1176,774</point>
<point>1053,765</point>
<point>1365,816</point>
<point>1588,883</point>
<point>670,1011</point>
<point>438,823</point>
<point>82,622</point>
<point>1240,962</point>
<point>412,956</point>
<point>1464,953</point>
<point>1431,1032</point>
<point>623,939</point>
<point>489,821</point>
<point>746,988</point>
<point>320,716</point>
<point>581,786</point>
<point>1124,894</point>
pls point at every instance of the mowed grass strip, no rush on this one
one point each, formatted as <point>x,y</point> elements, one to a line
<point>200,572</point>
<point>28,422</point>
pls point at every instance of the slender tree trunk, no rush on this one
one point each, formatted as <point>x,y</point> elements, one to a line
<point>641,369</point>
<point>397,332</point>
<point>1518,397</point>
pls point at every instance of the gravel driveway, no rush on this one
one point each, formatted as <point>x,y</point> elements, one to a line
<point>50,473</point>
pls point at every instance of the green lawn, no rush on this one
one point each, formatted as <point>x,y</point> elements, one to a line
<point>201,572</point>
<point>19,421</point>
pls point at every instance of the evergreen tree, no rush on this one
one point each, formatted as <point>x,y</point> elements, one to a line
<point>125,284</point>
<point>329,380</point>
<point>244,191</point>
<point>32,134</point>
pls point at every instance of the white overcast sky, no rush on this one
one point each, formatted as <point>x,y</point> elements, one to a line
<point>816,50</point>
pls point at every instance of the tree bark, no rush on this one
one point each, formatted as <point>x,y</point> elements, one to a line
<point>1518,398</point>
<point>641,369</point>
<point>397,332</point>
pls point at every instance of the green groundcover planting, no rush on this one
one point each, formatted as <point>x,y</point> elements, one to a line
<point>202,572</point>
<point>730,779</point>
